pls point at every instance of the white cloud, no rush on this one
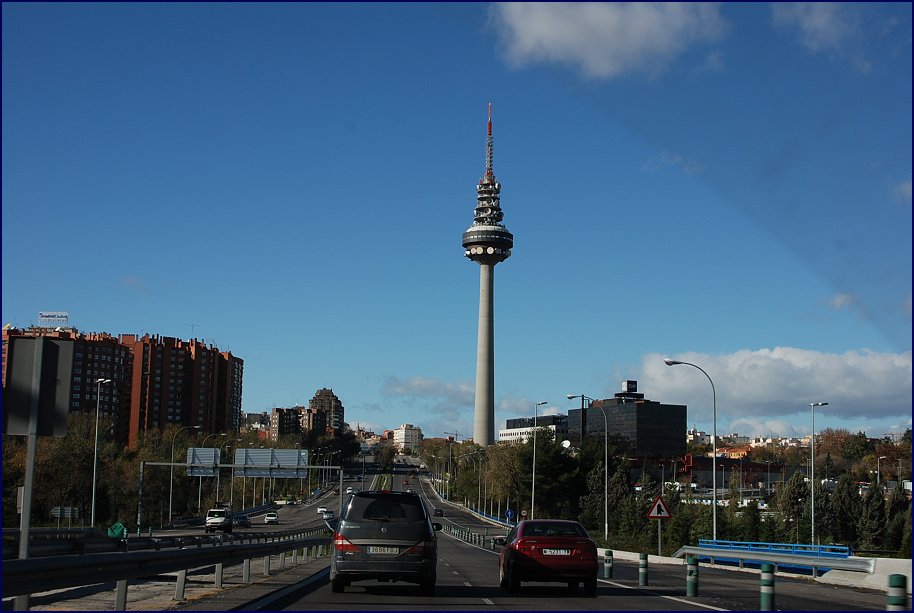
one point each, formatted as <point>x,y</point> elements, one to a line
<point>840,301</point>
<point>823,27</point>
<point>690,166</point>
<point>903,191</point>
<point>605,40</point>
<point>767,385</point>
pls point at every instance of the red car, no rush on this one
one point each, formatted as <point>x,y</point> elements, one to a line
<point>548,550</point>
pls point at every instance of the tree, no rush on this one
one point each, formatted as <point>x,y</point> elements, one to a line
<point>871,524</point>
<point>845,506</point>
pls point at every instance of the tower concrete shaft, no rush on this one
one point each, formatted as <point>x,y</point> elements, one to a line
<point>487,242</point>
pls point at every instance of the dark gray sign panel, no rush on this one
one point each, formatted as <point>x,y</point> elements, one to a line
<point>53,374</point>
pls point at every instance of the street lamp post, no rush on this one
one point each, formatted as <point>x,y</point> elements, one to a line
<point>219,473</point>
<point>670,362</point>
<point>812,472</point>
<point>768,481</point>
<point>533,481</point>
<point>882,457</point>
<point>171,474</point>
<point>200,487</point>
<point>605,459</point>
<point>98,404</point>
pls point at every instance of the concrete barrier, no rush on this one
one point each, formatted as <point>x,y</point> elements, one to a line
<point>875,581</point>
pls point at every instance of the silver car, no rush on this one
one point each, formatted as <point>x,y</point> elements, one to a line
<point>384,536</point>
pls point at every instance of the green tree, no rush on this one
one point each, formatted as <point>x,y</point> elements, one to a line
<point>871,525</point>
<point>845,506</point>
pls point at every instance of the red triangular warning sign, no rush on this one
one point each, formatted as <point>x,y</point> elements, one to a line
<point>659,509</point>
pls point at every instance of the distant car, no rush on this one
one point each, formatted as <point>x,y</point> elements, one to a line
<point>405,482</point>
<point>271,518</point>
<point>349,490</point>
<point>548,550</point>
<point>438,513</point>
<point>321,510</point>
<point>329,515</point>
<point>243,521</point>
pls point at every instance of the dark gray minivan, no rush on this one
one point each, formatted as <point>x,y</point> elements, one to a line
<point>384,536</point>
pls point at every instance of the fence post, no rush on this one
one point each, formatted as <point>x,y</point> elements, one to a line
<point>766,596</point>
<point>246,570</point>
<point>642,569</point>
<point>120,596</point>
<point>179,584</point>
<point>898,593</point>
<point>608,564</point>
<point>691,575</point>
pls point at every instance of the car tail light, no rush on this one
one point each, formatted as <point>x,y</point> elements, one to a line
<point>422,548</point>
<point>343,545</point>
<point>525,545</point>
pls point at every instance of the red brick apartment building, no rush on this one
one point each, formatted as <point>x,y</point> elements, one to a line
<point>156,381</point>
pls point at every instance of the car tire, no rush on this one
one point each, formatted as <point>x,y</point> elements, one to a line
<point>427,587</point>
<point>337,585</point>
<point>590,587</point>
<point>502,577</point>
<point>513,579</point>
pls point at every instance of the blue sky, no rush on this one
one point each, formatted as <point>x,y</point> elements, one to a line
<point>728,185</point>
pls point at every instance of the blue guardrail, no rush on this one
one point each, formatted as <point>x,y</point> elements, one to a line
<point>813,551</point>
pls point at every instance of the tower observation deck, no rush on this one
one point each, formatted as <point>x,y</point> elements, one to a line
<point>487,242</point>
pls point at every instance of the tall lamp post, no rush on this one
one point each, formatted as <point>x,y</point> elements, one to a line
<point>98,404</point>
<point>219,473</point>
<point>171,474</point>
<point>670,362</point>
<point>882,457</point>
<point>605,459</point>
<point>533,482</point>
<point>200,486</point>
<point>812,473</point>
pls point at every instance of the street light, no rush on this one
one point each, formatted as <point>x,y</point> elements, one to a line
<point>812,472</point>
<point>98,404</point>
<point>171,474</point>
<point>605,459</point>
<point>219,473</point>
<point>670,362</point>
<point>533,484</point>
<point>200,487</point>
<point>882,457</point>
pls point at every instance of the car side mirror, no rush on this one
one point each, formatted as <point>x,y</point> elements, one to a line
<point>437,527</point>
<point>499,540</point>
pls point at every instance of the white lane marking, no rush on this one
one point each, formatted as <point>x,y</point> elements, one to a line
<point>488,602</point>
<point>691,602</point>
<point>468,584</point>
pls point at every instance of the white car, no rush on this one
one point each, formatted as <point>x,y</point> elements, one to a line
<point>271,518</point>
<point>349,490</point>
<point>321,510</point>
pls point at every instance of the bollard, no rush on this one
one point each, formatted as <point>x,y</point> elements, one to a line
<point>766,597</point>
<point>897,594</point>
<point>608,564</point>
<point>691,575</point>
<point>642,569</point>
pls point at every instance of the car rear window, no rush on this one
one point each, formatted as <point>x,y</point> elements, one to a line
<point>216,514</point>
<point>384,507</point>
<point>554,529</point>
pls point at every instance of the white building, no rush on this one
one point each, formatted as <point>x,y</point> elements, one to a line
<point>407,436</point>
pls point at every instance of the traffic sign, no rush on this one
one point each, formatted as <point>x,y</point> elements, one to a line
<point>509,514</point>
<point>523,513</point>
<point>659,509</point>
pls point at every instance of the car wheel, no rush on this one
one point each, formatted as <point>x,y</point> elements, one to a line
<point>427,587</point>
<point>590,587</point>
<point>502,577</point>
<point>337,584</point>
<point>513,579</point>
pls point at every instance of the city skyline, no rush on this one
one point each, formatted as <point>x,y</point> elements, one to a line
<point>727,185</point>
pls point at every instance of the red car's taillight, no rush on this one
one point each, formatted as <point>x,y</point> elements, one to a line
<point>343,545</point>
<point>523,545</point>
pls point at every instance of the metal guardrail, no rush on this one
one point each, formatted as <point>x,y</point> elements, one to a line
<point>34,575</point>
<point>865,565</point>
<point>822,551</point>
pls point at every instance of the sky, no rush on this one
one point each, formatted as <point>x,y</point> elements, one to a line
<point>723,184</point>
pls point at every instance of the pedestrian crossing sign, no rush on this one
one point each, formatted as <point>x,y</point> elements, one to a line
<point>659,510</point>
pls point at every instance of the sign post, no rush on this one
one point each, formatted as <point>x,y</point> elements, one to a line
<point>659,511</point>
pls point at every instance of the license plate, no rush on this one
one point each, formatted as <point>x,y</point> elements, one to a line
<point>556,552</point>
<point>383,550</point>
